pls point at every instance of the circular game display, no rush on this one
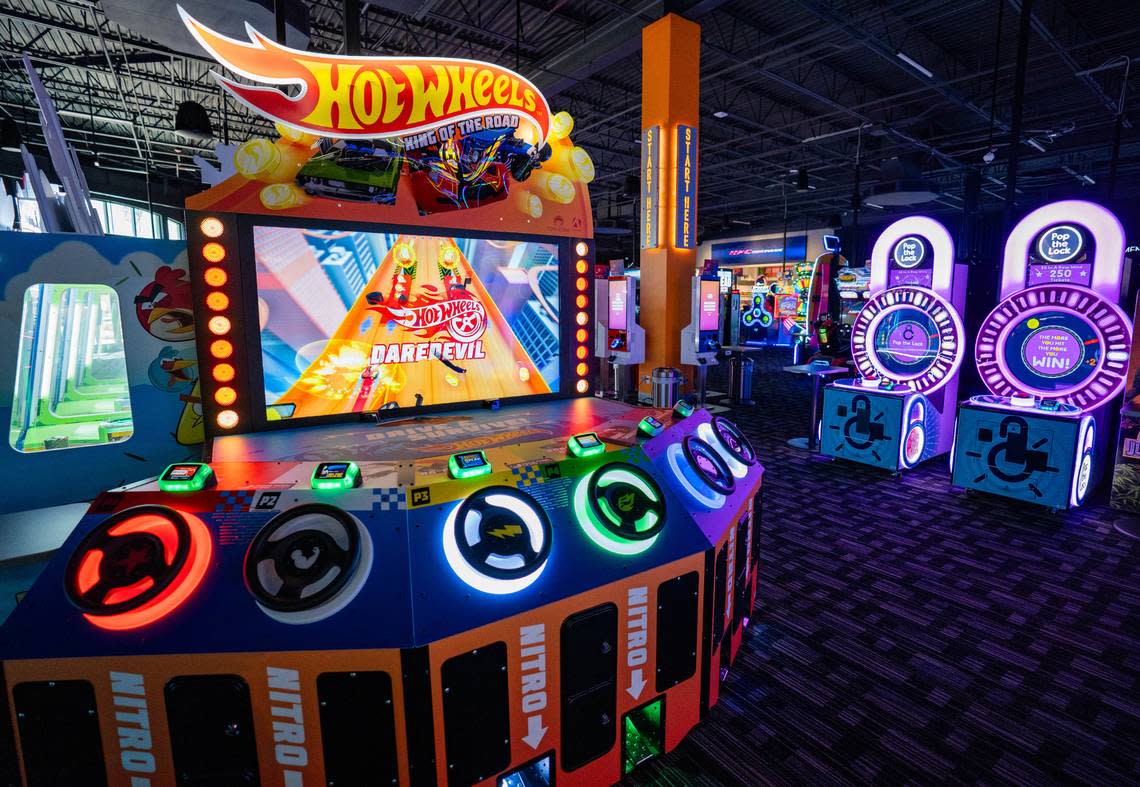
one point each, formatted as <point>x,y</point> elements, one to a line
<point>621,508</point>
<point>308,563</point>
<point>497,540</point>
<point>908,334</point>
<point>137,566</point>
<point>906,341</point>
<point>1056,341</point>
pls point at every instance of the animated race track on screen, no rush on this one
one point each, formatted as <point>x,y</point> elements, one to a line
<point>356,321</point>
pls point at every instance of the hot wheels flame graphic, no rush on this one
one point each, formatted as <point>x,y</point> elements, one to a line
<point>369,97</point>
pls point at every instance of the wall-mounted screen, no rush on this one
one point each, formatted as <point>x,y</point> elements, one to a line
<point>359,321</point>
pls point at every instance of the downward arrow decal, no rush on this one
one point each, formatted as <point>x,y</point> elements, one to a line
<point>535,732</point>
<point>636,683</point>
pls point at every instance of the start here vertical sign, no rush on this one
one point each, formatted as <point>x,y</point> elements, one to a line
<point>685,188</point>
<point>650,186</point>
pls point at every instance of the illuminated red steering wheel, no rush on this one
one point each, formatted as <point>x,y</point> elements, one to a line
<point>137,566</point>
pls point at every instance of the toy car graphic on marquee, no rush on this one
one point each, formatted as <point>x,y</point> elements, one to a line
<point>365,172</point>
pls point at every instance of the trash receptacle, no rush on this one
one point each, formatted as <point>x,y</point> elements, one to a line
<point>667,383</point>
<point>740,379</point>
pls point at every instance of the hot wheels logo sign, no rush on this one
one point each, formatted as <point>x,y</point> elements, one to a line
<point>368,97</point>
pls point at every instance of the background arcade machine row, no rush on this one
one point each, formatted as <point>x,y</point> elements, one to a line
<point>1053,353</point>
<point>907,343</point>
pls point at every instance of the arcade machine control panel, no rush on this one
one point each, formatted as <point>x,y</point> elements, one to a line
<point>483,612</point>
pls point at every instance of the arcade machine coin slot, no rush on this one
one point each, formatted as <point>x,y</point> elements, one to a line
<point>682,409</point>
<point>186,477</point>
<point>468,464</point>
<point>650,426</point>
<point>586,444</point>
<point>336,475</point>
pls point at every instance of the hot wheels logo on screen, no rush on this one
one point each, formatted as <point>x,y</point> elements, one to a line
<point>368,97</point>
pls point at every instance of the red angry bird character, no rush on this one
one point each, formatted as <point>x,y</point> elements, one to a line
<point>164,307</point>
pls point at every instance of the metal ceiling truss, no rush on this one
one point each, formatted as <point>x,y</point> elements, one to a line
<point>813,84</point>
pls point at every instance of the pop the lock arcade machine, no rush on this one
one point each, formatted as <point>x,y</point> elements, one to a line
<point>1053,353</point>
<point>907,345</point>
<point>363,582</point>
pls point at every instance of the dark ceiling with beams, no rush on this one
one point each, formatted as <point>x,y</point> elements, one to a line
<point>822,86</point>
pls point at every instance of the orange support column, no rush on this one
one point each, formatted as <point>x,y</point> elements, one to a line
<point>670,113</point>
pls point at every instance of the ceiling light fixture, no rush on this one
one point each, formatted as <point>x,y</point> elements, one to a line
<point>917,66</point>
<point>1033,143</point>
<point>720,114</point>
<point>831,134</point>
<point>802,179</point>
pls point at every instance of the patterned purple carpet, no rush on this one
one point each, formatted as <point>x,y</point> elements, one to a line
<point>909,634</point>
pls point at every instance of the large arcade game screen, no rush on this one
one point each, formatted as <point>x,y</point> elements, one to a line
<point>416,549</point>
<point>354,321</point>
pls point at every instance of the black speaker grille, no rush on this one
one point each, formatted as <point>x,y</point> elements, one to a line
<point>476,714</point>
<point>588,660</point>
<point>677,611</point>
<point>358,728</point>
<point>59,733</point>
<point>211,730</point>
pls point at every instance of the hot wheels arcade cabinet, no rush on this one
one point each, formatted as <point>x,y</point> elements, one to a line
<point>907,344</point>
<point>1052,353</point>
<point>363,582</point>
